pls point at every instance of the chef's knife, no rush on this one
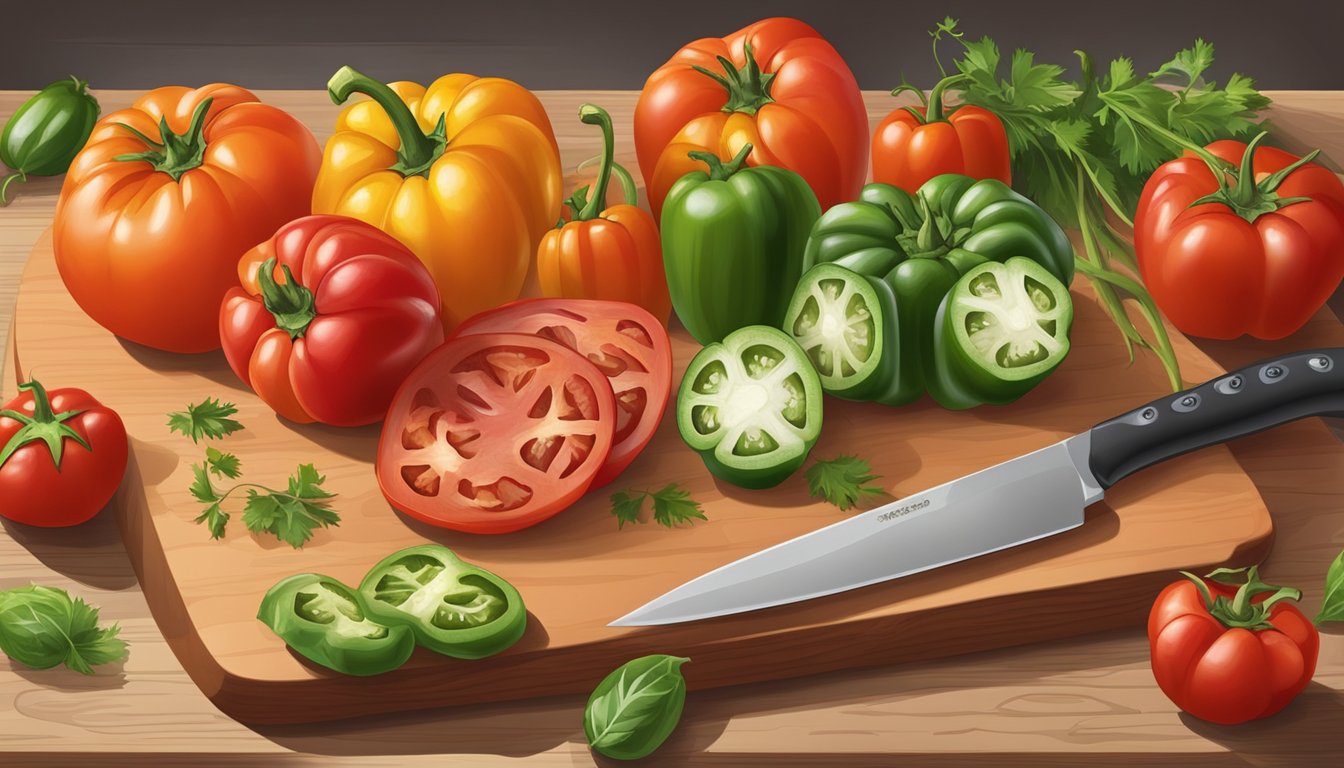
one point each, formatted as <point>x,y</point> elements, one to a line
<point>1024,499</point>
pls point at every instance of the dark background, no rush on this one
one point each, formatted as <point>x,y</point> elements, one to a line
<point>610,44</point>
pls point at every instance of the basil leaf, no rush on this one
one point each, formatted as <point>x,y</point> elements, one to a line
<point>1332,607</point>
<point>636,707</point>
<point>42,627</point>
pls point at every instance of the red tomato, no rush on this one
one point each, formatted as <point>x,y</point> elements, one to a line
<point>1229,654</point>
<point>1260,261</point>
<point>331,316</point>
<point>62,456</point>
<point>914,144</point>
<point>495,433</point>
<point>625,342</point>
<point>163,200</point>
<point>777,85</point>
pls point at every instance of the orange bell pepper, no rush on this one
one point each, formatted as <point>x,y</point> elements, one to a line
<point>466,173</point>
<point>615,255</point>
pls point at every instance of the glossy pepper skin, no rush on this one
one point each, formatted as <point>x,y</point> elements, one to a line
<point>733,243</point>
<point>325,621</point>
<point>45,133</point>
<point>922,244</point>
<point>465,172</point>
<point>611,255</point>
<point>453,608</point>
<point>914,144</point>
<point>1258,258</point>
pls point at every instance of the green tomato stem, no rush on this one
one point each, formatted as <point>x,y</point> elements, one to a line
<point>44,425</point>
<point>290,303</point>
<point>174,154</point>
<point>748,88</point>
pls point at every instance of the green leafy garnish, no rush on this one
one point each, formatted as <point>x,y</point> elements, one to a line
<point>671,506</point>
<point>840,481</point>
<point>208,419</point>
<point>42,627</point>
<point>1084,149</point>
<point>636,707</point>
<point>291,516</point>
<point>1332,606</point>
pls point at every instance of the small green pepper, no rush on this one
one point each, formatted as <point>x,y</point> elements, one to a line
<point>453,608</point>
<point>47,131</point>
<point>324,620</point>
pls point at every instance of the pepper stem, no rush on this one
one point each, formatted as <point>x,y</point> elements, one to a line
<point>748,88</point>
<point>936,112</point>
<point>595,115</point>
<point>4,186</point>
<point>718,171</point>
<point>1249,199</point>
<point>290,303</point>
<point>419,150</point>
<point>44,425</point>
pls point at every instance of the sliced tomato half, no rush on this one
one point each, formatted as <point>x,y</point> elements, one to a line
<point>624,341</point>
<point>494,433</point>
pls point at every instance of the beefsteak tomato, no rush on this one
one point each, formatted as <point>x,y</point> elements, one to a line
<point>1228,648</point>
<point>164,199</point>
<point>331,316</point>
<point>1256,258</point>
<point>626,343</point>
<point>62,456</point>
<point>777,85</point>
<point>495,433</point>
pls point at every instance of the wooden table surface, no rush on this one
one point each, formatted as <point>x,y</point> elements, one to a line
<point>1061,703</point>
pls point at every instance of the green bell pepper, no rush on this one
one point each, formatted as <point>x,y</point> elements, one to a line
<point>325,621</point>
<point>846,323</point>
<point>733,243</point>
<point>1000,331</point>
<point>921,245</point>
<point>751,407</point>
<point>43,136</point>
<point>453,608</point>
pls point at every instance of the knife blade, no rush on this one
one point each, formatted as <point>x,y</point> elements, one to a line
<point>1031,497</point>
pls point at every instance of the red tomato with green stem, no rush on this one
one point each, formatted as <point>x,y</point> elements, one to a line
<point>1229,648</point>
<point>1259,256</point>
<point>331,316</point>
<point>62,456</point>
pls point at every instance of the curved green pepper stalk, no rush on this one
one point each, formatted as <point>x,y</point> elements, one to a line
<point>718,170</point>
<point>1248,199</point>
<point>1241,611</point>
<point>173,154</point>
<point>595,115</point>
<point>419,150</point>
<point>4,186</point>
<point>934,111</point>
<point>44,425</point>
<point>748,88</point>
<point>627,181</point>
<point>290,303</point>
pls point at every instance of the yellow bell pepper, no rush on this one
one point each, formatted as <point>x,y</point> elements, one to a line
<point>466,173</point>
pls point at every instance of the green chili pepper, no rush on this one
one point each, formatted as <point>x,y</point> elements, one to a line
<point>43,136</point>
<point>751,406</point>
<point>999,331</point>
<point>325,621</point>
<point>733,244</point>
<point>452,607</point>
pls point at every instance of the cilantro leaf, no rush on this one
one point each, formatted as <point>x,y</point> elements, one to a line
<point>625,505</point>
<point>216,519</point>
<point>208,419</point>
<point>840,481</point>
<point>672,506</point>
<point>291,517</point>
<point>91,645</point>
<point>223,464</point>
<point>1039,85</point>
<point>307,484</point>
<point>1188,64</point>
<point>201,487</point>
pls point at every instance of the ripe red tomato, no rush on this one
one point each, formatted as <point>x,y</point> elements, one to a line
<point>331,316</point>
<point>1260,260</point>
<point>777,85</point>
<point>1229,653</point>
<point>625,342</point>
<point>494,433</point>
<point>62,456</point>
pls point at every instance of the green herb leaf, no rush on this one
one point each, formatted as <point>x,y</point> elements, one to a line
<point>291,517</point>
<point>201,487</point>
<point>42,627</point>
<point>208,419</point>
<point>1332,606</point>
<point>671,506</point>
<point>222,464</point>
<point>216,519</point>
<point>1188,64</point>
<point>625,505</point>
<point>636,707</point>
<point>840,481</point>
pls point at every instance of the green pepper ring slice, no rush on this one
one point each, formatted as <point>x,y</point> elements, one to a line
<point>349,642</point>
<point>844,321</point>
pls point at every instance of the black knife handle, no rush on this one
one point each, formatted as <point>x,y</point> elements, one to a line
<point>1257,397</point>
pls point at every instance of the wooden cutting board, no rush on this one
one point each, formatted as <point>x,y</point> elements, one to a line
<point>577,571</point>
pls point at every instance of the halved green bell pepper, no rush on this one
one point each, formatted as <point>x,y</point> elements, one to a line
<point>846,323</point>
<point>733,243</point>
<point>452,607</point>
<point>325,621</point>
<point>751,407</point>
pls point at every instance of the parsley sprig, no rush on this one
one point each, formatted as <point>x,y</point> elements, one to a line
<point>841,481</point>
<point>291,515</point>
<point>209,418</point>
<point>672,506</point>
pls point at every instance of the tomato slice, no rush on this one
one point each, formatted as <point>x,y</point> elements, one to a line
<point>494,433</point>
<point>623,340</point>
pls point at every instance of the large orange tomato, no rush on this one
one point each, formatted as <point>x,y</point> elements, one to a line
<point>777,85</point>
<point>164,199</point>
